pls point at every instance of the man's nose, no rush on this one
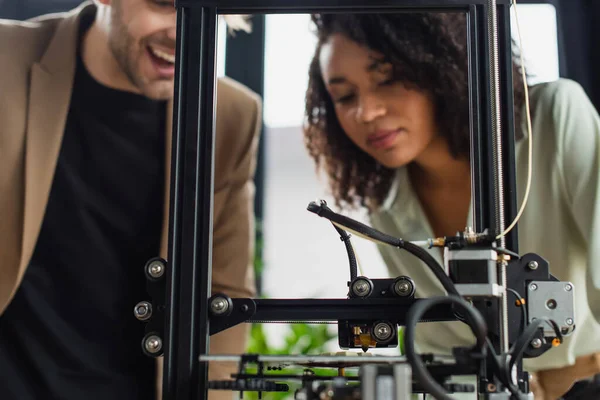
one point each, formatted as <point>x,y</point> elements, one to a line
<point>370,108</point>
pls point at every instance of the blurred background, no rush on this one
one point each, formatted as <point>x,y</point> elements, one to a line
<point>299,254</point>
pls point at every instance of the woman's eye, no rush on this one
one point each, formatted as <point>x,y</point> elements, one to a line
<point>344,99</point>
<point>386,82</point>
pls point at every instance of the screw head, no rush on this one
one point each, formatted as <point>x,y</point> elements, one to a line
<point>536,343</point>
<point>568,287</point>
<point>156,269</point>
<point>569,321</point>
<point>382,331</point>
<point>219,305</point>
<point>403,287</point>
<point>142,310</point>
<point>533,265</point>
<point>533,286</point>
<point>153,344</point>
<point>361,288</point>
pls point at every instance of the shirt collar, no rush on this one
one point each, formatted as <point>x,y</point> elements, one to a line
<point>403,205</point>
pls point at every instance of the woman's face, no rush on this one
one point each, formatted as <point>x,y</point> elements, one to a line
<point>392,123</point>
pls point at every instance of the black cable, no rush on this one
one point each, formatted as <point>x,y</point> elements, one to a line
<point>415,314</point>
<point>351,256</point>
<point>523,341</point>
<point>323,211</point>
<point>502,372</point>
<point>505,363</point>
<point>472,317</point>
<point>523,308</point>
<point>499,368</point>
<point>433,265</point>
<point>352,225</point>
<point>508,361</point>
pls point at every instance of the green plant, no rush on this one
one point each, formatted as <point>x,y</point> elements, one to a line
<point>258,250</point>
<point>299,339</point>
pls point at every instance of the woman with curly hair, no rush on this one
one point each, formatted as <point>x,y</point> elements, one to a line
<point>387,118</point>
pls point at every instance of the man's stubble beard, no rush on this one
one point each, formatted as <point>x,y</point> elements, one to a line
<point>122,46</point>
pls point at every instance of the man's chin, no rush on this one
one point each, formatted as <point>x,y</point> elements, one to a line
<point>159,90</point>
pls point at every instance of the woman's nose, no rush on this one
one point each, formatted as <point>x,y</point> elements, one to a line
<point>370,108</point>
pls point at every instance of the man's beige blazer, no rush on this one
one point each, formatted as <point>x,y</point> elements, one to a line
<point>37,67</point>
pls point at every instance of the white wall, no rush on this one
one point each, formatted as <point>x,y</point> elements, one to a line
<point>537,24</point>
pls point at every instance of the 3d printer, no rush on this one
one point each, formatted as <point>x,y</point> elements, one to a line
<point>482,271</point>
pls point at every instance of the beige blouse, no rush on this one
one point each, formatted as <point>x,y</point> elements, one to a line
<point>561,222</point>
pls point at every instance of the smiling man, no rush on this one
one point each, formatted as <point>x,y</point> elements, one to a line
<point>85,128</point>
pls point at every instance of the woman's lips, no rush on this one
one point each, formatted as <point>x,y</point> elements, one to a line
<point>383,139</point>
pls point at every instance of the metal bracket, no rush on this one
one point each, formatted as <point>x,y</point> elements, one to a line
<point>552,300</point>
<point>310,310</point>
<point>239,311</point>
<point>152,312</point>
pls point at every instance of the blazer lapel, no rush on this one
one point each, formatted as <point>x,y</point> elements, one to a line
<point>168,138</point>
<point>49,98</point>
<point>48,108</point>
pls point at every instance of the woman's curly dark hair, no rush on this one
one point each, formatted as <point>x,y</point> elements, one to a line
<point>428,52</point>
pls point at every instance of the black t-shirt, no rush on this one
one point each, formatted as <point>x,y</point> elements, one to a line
<point>70,333</point>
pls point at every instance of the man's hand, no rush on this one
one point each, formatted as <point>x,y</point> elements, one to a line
<point>551,384</point>
<point>543,388</point>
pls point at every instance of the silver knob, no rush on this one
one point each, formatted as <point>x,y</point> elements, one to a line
<point>153,344</point>
<point>143,310</point>
<point>361,288</point>
<point>156,269</point>
<point>568,287</point>
<point>403,287</point>
<point>219,306</point>
<point>533,265</point>
<point>382,331</point>
<point>536,343</point>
